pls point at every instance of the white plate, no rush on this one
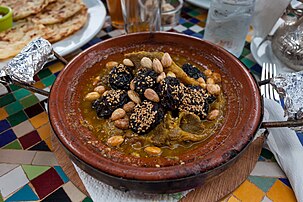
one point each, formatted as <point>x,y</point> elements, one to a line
<point>96,19</point>
<point>200,3</point>
<point>264,54</point>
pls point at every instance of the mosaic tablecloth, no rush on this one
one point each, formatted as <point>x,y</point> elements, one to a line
<point>29,170</point>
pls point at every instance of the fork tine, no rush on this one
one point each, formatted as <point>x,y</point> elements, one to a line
<point>271,90</point>
<point>262,79</point>
<point>266,77</point>
<point>276,95</point>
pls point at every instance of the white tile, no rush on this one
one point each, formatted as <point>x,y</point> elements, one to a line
<point>45,159</point>
<point>40,97</point>
<point>180,28</point>
<point>101,34</point>
<point>196,28</point>
<point>116,32</point>
<point>267,169</point>
<point>23,128</point>
<point>5,168</point>
<point>73,192</point>
<point>16,156</point>
<point>12,181</point>
<point>265,199</point>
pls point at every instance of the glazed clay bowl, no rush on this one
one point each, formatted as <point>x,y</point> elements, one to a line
<point>243,116</point>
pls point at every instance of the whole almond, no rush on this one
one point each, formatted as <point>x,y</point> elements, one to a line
<point>111,64</point>
<point>166,60</point>
<point>171,74</point>
<point>217,77</point>
<point>132,85</point>
<point>128,107</point>
<point>96,80</point>
<point>213,115</point>
<point>118,114</point>
<point>210,81</point>
<point>122,123</point>
<point>208,72</point>
<point>157,66</point>
<point>100,89</point>
<point>134,96</point>
<point>92,96</point>
<point>201,80</point>
<point>151,95</point>
<point>115,140</point>
<point>128,62</point>
<point>153,150</point>
<point>161,77</point>
<point>146,62</point>
<point>213,89</point>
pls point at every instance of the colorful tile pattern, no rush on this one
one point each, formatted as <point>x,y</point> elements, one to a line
<point>30,172</point>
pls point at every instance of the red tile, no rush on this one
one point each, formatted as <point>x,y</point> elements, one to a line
<point>47,182</point>
<point>30,139</point>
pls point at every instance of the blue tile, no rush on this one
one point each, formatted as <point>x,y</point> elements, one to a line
<point>4,125</point>
<point>200,36</point>
<point>182,20</point>
<point>61,174</point>
<point>300,136</point>
<point>194,20</point>
<point>257,68</point>
<point>7,137</point>
<point>24,194</point>
<point>94,41</point>
<point>189,32</point>
<point>285,181</point>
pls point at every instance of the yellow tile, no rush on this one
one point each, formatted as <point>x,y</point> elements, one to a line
<point>58,66</point>
<point>279,192</point>
<point>3,114</point>
<point>39,120</point>
<point>233,199</point>
<point>225,199</point>
<point>249,192</point>
<point>202,17</point>
<point>44,131</point>
<point>48,141</point>
<point>39,84</point>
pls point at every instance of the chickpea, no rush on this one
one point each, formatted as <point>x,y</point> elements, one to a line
<point>208,72</point>
<point>217,77</point>
<point>213,89</point>
<point>210,81</point>
<point>213,114</point>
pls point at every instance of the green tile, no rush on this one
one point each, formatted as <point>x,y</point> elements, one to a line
<point>44,73</point>
<point>267,154</point>
<point>245,52</point>
<point>21,93</point>
<point>6,99</point>
<point>48,81</point>
<point>1,198</point>
<point>14,145</point>
<point>29,101</point>
<point>188,24</point>
<point>264,183</point>
<point>14,87</point>
<point>34,171</point>
<point>194,13</point>
<point>17,118</point>
<point>247,62</point>
<point>13,107</point>
<point>87,199</point>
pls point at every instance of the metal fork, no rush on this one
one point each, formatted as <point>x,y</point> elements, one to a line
<point>269,70</point>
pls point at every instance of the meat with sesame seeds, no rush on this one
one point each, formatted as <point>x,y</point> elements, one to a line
<point>108,103</point>
<point>193,71</point>
<point>120,77</point>
<point>145,117</point>
<point>170,92</point>
<point>145,79</point>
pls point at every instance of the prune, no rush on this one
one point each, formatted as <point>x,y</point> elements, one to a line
<point>145,79</point>
<point>146,116</point>
<point>195,100</point>
<point>170,92</point>
<point>193,71</point>
<point>112,100</point>
<point>120,77</point>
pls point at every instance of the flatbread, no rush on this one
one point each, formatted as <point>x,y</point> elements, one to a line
<point>13,40</point>
<point>24,8</point>
<point>71,25</point>
<point>58,11</point>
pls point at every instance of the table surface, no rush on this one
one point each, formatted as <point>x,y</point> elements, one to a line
<point>29,170</point>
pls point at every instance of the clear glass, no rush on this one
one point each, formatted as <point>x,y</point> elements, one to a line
<point>115,12</point>
<point>141,15</point>
<point>170,13</point>
<point>228,23</point>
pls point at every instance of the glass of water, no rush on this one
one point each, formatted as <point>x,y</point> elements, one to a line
<point>228,23</point>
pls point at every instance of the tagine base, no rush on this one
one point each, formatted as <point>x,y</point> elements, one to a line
<point>214,190</point>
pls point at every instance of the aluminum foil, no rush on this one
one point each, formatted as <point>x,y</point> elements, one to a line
<point>29,61</point>
<point>290,87</point>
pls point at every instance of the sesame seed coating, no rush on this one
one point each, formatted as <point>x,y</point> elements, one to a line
<point>120,77</point>
<point>145,79</point>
